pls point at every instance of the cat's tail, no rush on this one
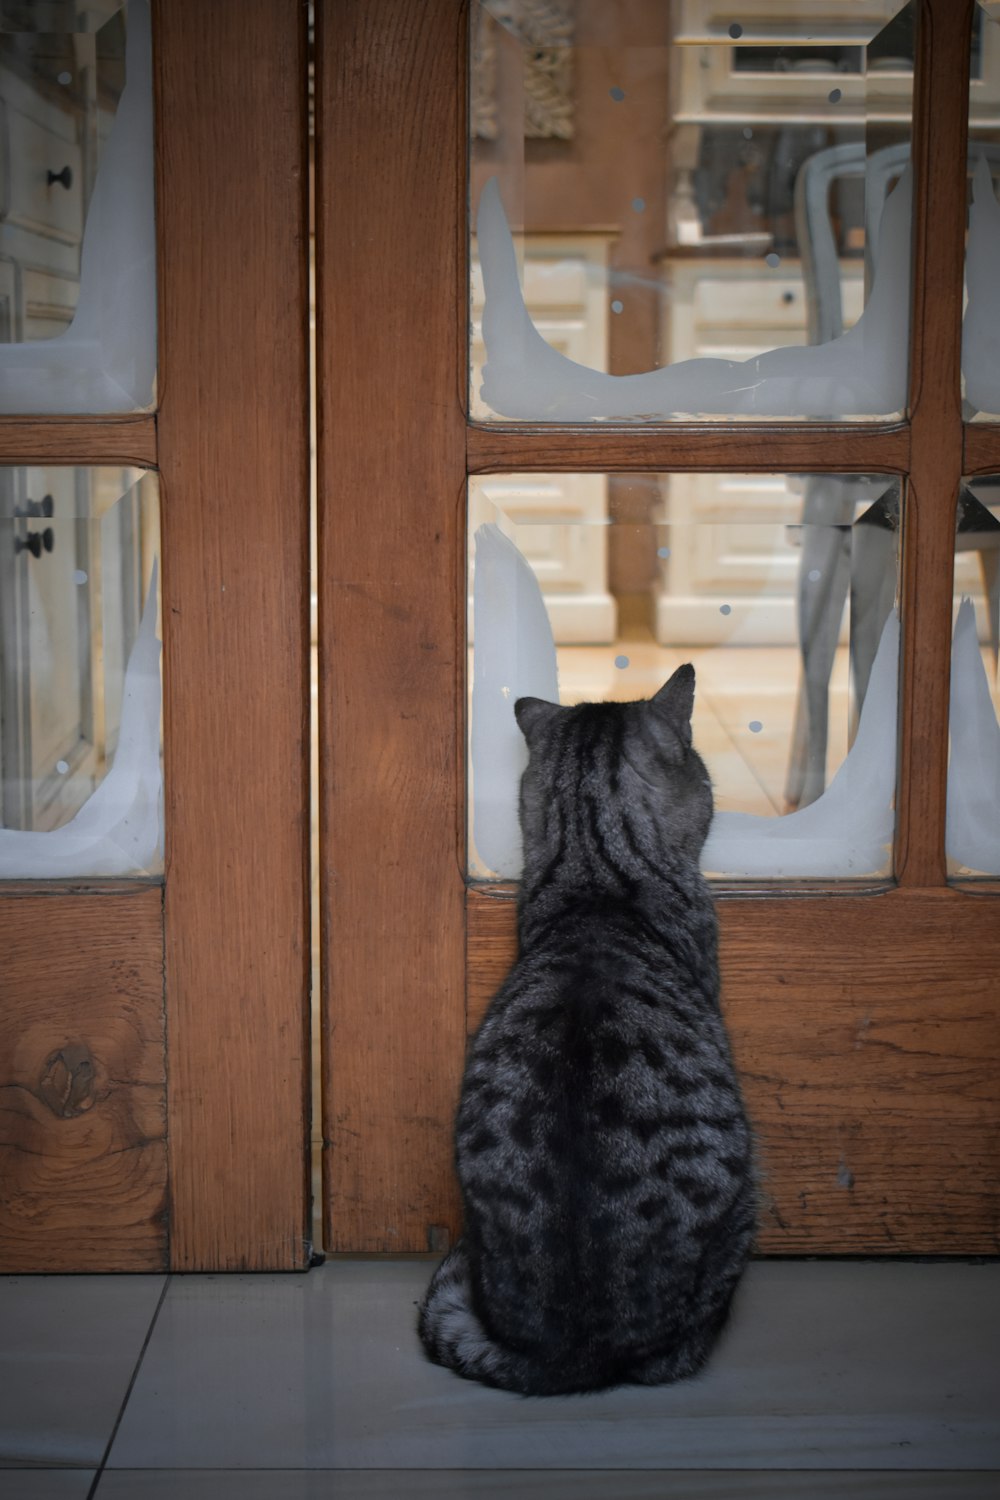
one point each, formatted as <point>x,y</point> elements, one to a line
<point>453,1335</point>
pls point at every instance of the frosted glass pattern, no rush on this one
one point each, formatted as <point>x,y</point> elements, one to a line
<point>77,238</point>
<point>791,627</point>
<point>80,781</point>
<point>681,212</point>
<point>973,822</point>
<point>981,326</point>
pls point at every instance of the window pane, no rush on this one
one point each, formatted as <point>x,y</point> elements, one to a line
<point>973,832</point>
<point>981,328</point>
<point>79,673</point>
<point>673,199</point>
<point>77,252</point>
<point>780,589</point>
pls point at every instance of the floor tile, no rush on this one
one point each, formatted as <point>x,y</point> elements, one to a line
<point>45,1484</point>
<point>825,1365</point>
<point>67,1353</point>
<point>535,1484</point>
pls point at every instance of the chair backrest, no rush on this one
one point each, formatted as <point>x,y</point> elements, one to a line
<point>814,226</point>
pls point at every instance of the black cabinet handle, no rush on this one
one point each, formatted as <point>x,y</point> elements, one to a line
<point>65,177</point>
<point>35,541</point>
<point>44,507</point>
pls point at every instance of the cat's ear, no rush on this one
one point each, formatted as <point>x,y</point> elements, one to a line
<point>534,714</point>
<point>676,699</point>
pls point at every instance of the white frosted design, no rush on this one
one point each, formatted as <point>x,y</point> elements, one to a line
<point>848,830</point>
<point>515,657</point>
<point>118,831</point>
<point>861,373</point>
<point>981,328</point>
<point>105,361</point>
<point>972,836</point>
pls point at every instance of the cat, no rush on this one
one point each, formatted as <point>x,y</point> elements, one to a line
<point>602,1146</point>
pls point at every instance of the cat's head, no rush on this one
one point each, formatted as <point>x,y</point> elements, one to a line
<point>635,762</point>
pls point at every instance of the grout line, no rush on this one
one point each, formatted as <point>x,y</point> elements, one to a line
<point>707,699</point>
<point>125,1399</point>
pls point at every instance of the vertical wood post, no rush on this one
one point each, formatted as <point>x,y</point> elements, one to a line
<point>391,279</point>
<point>941,109</point>
<point>233,450</point>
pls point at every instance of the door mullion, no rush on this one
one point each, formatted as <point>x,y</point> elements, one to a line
<point>940,135</point>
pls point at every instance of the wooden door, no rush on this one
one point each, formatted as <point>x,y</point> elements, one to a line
<point>866,1021</point>
<point>154,1032</point>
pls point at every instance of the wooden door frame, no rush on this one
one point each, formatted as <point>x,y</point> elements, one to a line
<point>890,1099</point>
<point>190,997</point>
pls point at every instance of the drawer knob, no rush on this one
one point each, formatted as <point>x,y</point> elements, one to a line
<point>44,507</point>
<point>65,177</point>
<point>35,541</point>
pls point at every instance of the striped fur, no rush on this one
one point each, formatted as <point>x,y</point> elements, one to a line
<point>601,1142</point>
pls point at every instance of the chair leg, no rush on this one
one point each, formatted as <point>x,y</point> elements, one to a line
<point>989,563</point>
<point>799,751</point>
<point>824,577</point>
<point>873,590</point>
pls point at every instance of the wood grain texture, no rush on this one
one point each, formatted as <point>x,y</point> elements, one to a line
<point>392,344</point>
<point>83,1157</point>
<point>233,449</point>
<point>743,447</point>
<point>982,448</point>
<point>78,440</point>
<point>867,1034</point>
<point>939,154</point>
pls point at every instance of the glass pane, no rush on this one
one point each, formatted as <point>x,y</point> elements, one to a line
<point>77,248</point>
<point>79,673</point>
<point>695,192</point>
<point>981,328</point>
<point>973,831</point>
<point>780,590</point>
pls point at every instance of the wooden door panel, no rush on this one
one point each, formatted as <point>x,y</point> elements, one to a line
<point>83,1089</point>
<point>83,992</point>
<point>866,1030</point>
<point>391,615</point>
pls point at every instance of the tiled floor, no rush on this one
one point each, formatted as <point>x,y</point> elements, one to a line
<point>841,1379</point>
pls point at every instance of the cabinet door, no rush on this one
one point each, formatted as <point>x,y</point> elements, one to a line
<point>46,654</point>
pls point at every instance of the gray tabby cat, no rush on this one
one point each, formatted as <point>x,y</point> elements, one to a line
<point>602,1148</point>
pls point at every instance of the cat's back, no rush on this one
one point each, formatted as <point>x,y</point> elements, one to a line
<point>603,1059</point>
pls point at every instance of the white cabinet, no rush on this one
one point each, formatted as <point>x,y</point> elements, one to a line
<point>559,521</point>
<point>41,204</point>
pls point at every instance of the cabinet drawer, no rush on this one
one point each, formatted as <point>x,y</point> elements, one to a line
<point>760,302</point>
<point>751,302</point>
<point>31,200</point>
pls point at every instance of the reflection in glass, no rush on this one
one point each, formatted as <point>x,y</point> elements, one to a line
<point>79,672</point>
<point>973,824</point>
<point>981,326</point>
<point>777,618</point>
<point>718,194</point>
<point>77,249</point>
